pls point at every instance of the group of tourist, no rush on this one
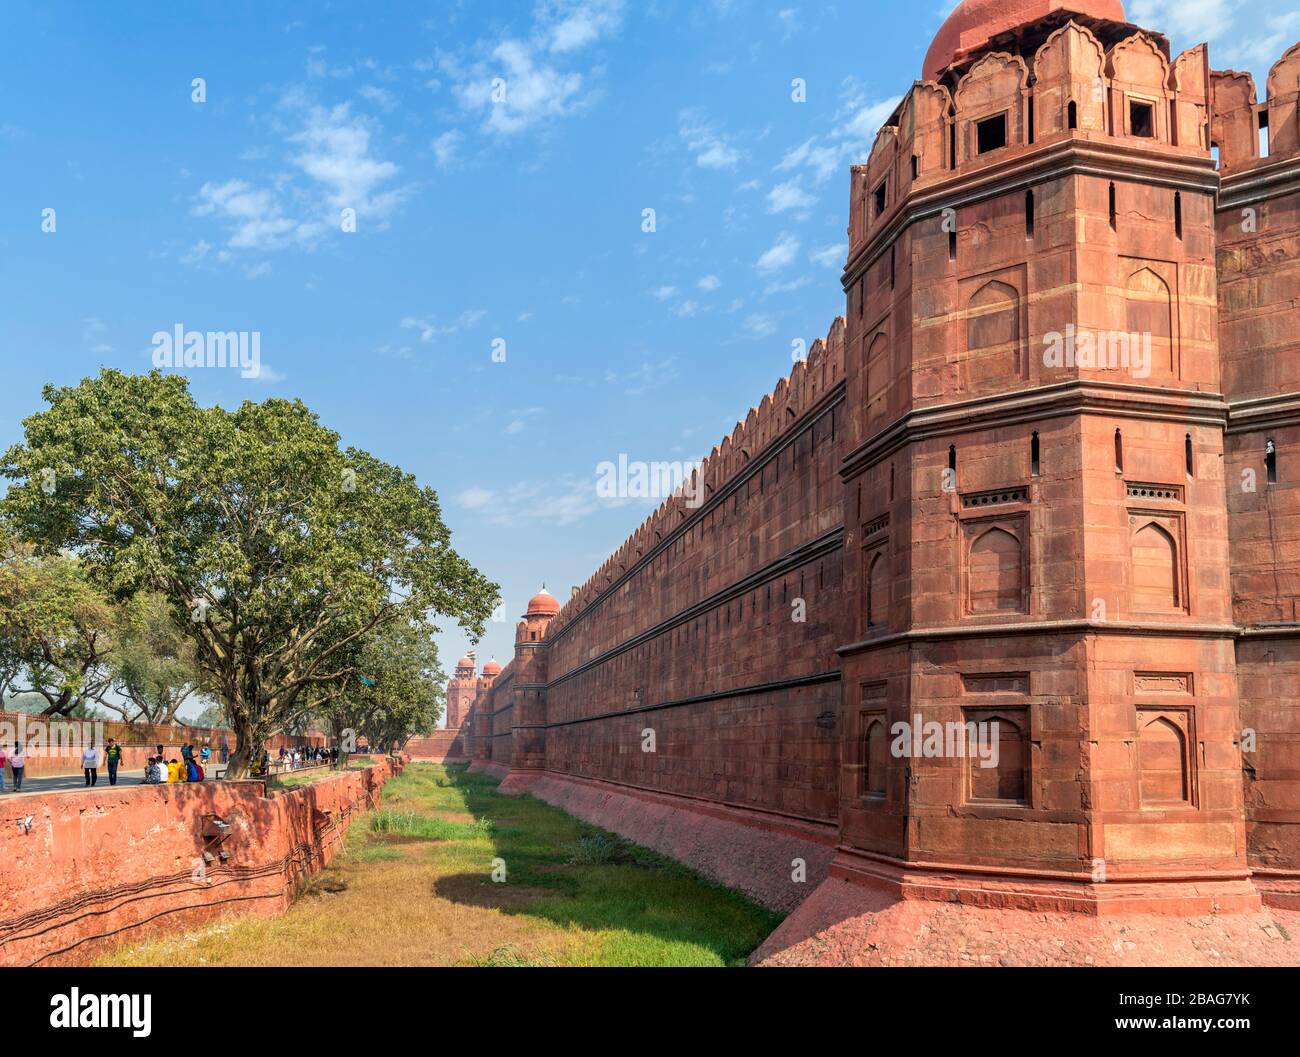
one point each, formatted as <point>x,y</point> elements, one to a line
<point>17,761</point>
<point>191,767</point>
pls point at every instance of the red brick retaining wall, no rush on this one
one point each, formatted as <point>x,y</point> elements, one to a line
<point>86,870</point>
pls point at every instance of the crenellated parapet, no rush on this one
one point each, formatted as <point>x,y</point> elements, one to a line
<point>1249,133</point>
<point>1101,83</point>
<point>769,422</point>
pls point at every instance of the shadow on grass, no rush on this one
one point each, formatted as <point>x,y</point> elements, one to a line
<point>650,909</point>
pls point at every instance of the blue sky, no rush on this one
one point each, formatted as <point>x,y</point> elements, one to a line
<point>477,221</point>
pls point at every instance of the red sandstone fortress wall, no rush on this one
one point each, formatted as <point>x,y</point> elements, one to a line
<point>1058,546</point>
<point>715,628</point>
<point>82,870</point>
<point>1258,229</point>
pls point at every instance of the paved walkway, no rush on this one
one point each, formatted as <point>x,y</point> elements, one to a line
<point>63,783</point>
<point>69,783</point>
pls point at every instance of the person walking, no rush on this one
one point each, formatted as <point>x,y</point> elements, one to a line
<point>18,764</point>
<point>225,751</point>
<point>112,757</point>
<point>90,764</point>
<point>4,759</point>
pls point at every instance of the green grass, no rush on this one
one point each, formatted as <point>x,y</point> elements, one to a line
<point>630,905</point>
<point>448,871</point>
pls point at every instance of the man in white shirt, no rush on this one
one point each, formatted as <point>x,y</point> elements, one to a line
<point>90,764</point>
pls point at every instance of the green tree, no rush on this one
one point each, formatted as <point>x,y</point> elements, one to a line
<point>276,549</point>
<point>57,631</point>
<point>398,692</point>
<point>153,670</point>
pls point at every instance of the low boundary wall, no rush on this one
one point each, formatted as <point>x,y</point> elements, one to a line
<point>82,871</point>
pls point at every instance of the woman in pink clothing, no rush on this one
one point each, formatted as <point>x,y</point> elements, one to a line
<point>18,761</point>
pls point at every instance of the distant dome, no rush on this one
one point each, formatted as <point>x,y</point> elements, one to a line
<point>543,604</point>
<point>492,668</point>
<point>976,22</point>
<point>465,662</point>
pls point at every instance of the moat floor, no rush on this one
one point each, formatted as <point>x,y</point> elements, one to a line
<point>844,924</point>
<point>415,886</point>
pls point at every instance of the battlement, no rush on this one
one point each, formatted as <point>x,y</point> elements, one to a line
<point>1248,133</point>
<point>1109,84</point>
<point>775,415</point>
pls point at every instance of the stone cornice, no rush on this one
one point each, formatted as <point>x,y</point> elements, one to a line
<point>1265,412</point>
<point>1068,157</point>
<point>1072,397</point>
<point>1044,627</point>
<point>1259,184</point>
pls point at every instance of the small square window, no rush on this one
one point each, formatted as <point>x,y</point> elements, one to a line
<point>881,195</point>
<point>991,133</point>
<point>1141,119</point>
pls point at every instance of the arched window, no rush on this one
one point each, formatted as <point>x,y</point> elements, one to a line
<point>877,376</point>
<point>875,756</point>
<point>996,573</point>
<point>1163,763</point>
<point>993,333</point>
<point>1149,309</point>
<point>877,590</point>
<point>1005,780</point>
<point>1156,580</point>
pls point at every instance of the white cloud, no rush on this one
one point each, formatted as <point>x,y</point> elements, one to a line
<point>709,283</point>
<point>253,216</point>
<point>196,253</point>
<point>1189,19</point>
<point>849,140</point>
<point>562,502</point>
<point>332,148</point>
<point>830,256</point>
<point>475,498</point>
<point>336,153</point>
<point>663,293</point>
<point>574,24</point>
<point>781,254</point>
<point>711,150</point>
<point>789,195</point>
<point>266,375</point>
<point>381,97</point>
<point>445,147</point>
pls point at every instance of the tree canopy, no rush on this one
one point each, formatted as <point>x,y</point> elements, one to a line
<point>276,551</point>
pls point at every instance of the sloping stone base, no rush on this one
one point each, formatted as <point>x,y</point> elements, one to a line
<point>751,851</point>
<point>845,923</point>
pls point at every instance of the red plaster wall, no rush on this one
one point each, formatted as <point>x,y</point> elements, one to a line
<point>109,865</point>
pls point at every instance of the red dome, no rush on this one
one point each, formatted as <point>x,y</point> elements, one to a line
<point>543,604</point>
<point>492,668</point>
<point>465,662</point>
<point>976,22</point>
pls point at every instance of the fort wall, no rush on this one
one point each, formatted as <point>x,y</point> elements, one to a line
<point>82,871</point>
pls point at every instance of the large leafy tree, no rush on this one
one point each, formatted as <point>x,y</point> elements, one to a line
<point>153,669</point>
<point>276,549</point>
<point>399,690</point>
<point>58,633</point>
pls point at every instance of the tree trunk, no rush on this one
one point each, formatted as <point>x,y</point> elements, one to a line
<point>250,738</point>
